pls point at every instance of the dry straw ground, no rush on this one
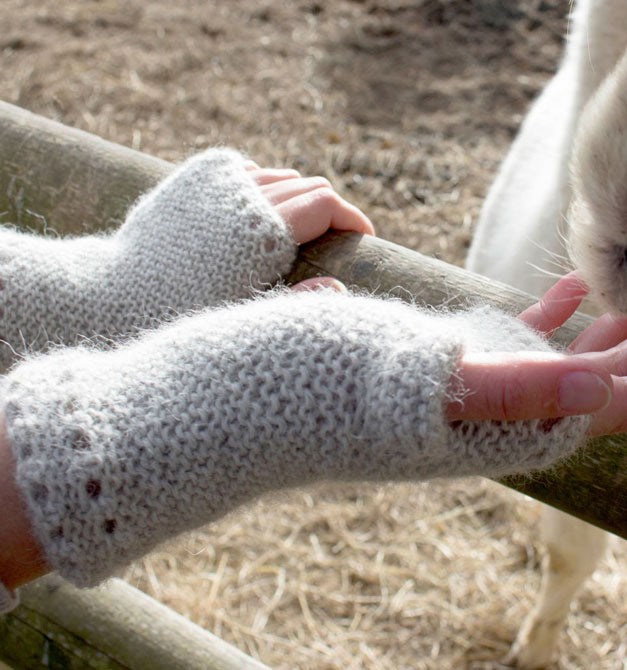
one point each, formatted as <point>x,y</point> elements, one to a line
<point>407,106</point>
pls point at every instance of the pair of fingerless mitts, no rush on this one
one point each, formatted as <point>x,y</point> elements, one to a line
<point>118,448</point>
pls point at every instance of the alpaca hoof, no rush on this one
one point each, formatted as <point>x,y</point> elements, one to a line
<point>535,645</point>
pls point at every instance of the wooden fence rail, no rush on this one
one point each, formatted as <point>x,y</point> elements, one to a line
<point>592,485</point>
<point>55,177</point>
<point>113,627</point>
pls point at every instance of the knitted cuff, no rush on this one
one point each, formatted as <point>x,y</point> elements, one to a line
<point>206,234</point>
<point>9,600</point>
<point>499,448</point>
<point>119,450</point>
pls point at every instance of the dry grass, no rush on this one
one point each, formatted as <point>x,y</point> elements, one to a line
<point>407,107</point>
<point>430,576</point>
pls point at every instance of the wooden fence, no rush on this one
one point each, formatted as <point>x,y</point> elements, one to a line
<point>52,176</point>
<point>113,627</point>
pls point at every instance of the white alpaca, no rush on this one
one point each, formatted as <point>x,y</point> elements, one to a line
<point>535,209</point>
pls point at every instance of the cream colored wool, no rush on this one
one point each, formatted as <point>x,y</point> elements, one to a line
<point>204,235</point>
<point>119,450</point>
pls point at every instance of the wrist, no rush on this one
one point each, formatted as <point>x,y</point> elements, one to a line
<point>21,559</point>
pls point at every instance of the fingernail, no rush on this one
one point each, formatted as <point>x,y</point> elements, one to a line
<point>319,283</point>
<point>338,286</point>
<point>583,392</point>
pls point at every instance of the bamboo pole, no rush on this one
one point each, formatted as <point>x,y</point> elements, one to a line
<point>80,182</point>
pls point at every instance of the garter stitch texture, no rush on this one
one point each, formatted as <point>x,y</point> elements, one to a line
<point>206,234</point>
<point>118,450</point>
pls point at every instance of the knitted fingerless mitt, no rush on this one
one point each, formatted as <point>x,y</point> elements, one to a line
<point>118,450</point>
<point>204,235</point>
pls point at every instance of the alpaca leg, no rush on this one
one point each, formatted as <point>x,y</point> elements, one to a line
<point>573,550</point>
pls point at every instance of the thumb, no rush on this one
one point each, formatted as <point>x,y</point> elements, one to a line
<point>530,385</point>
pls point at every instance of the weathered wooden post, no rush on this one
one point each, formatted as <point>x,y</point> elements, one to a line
<point>114,627</point>
<point>55,177</point>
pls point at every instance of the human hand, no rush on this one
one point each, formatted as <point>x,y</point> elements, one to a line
<point>308,205</point>
<point>605,342</point>
<point>549,385</point>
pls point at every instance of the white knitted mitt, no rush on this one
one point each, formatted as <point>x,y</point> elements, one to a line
<point>118,450</point>
<point>204,235</point>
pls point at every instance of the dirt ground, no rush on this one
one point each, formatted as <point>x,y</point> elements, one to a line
<point>407,107</point>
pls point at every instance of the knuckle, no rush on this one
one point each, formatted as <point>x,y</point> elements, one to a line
<point>545,308</point>
<point>321,182</point>
<point>547,316</point>
<point>514,399</point>
<point>493,403</point>
<point>327,195</point>
<point>503,401</point>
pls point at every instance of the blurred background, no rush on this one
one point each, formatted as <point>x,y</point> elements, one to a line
<point>407,106</point>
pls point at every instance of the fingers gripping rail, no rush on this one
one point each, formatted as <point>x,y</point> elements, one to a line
<point>53,176</point>
<point>56,176</point>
